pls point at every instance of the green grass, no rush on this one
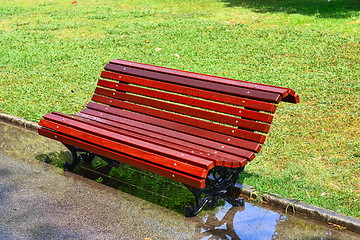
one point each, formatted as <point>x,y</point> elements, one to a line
<point>53,51</point>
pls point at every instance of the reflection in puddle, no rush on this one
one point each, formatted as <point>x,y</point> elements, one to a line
<point>228,222</point>
<point>219,224</point>
<point>256,222</point>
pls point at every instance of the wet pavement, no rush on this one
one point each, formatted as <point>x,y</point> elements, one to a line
<point>41,201</point>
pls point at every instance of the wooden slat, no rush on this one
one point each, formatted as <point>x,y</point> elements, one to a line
<point>132,102</point>
<point>254,115</point>
<point>213,86</point>
<point>128,130</point>
<point>263,87</point>
<point>129,141</point>
<point>117,142</point>
<point>293,98</point>
<point>147,123</point>
<point>192,125</point>
<point>101,151</point>
<point>200,151</point>
<point>214,96</point>
<point>172,129</point>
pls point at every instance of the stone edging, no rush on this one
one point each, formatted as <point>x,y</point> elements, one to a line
<point>321,214</point>
<point>18,121</point>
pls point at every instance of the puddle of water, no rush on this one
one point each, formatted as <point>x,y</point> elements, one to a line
<point>252,221</point>
<point>257,222</point>
<point>25,145</point>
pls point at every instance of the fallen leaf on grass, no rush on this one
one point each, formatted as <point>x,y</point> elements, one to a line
<point>234,21</point>
<point>337,226</point>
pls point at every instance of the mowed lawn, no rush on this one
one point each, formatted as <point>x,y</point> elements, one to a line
<point>52,52</point>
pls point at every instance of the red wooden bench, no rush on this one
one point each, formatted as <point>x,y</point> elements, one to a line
<point>197,129</point>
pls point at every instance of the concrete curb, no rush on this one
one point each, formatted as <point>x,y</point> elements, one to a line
<point>18,121</point>
<point>321,214</point>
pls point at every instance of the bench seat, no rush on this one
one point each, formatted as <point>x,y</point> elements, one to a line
<point>185,126</point>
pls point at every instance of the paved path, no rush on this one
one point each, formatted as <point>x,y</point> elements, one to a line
<point>40,201</point>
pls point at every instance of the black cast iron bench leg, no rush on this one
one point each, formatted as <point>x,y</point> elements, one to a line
<point>221,185</point>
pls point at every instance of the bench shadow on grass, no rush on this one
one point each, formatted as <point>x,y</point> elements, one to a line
<point>319,8</point>
<point>142,184</point>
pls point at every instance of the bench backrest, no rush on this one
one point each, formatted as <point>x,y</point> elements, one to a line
<point>225,111</point>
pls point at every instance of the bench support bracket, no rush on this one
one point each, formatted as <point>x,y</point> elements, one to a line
<point>78,155</point>
<point>220,185</point>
